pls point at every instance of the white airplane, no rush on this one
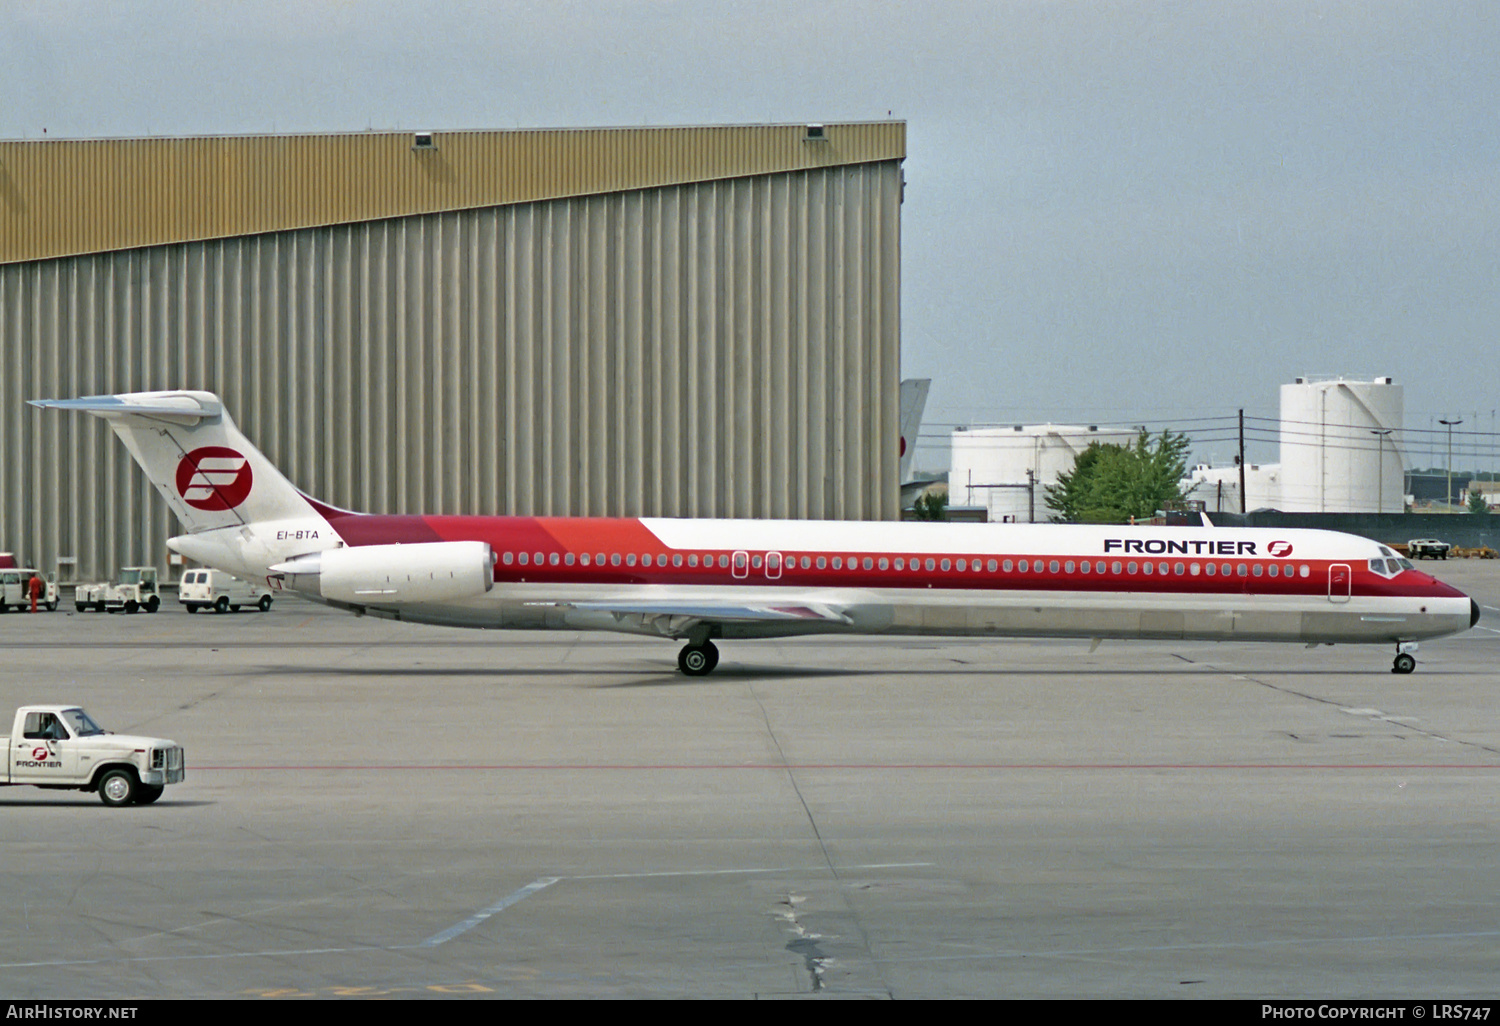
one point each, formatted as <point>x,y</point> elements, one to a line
<point>701,580</point>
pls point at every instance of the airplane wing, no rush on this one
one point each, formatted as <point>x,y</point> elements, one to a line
<point>719,612</point>
<point>673,618</point>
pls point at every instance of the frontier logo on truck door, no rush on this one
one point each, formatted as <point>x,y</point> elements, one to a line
<point>214,478</point>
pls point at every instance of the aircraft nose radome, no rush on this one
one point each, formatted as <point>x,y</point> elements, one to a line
<point>1473,612</point>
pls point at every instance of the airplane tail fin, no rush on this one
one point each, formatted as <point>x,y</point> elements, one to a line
<point>195,456</point>
<point>913,402</point>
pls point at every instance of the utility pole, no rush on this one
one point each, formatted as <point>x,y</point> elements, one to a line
<point>1380,477</point>
<point>1450,424</point>
<point>1242,461</point>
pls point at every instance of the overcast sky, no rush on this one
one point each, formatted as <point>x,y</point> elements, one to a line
<point>1132,212</point>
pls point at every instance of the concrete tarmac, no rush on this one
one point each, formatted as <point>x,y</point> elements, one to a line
<point>376,809</point>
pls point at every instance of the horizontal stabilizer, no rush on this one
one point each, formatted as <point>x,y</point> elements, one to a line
<point>175,404</point>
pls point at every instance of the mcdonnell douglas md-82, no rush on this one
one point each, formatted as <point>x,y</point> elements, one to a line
<point>701,580</point>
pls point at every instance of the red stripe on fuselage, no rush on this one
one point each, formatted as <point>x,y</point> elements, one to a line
<point>629,537</point>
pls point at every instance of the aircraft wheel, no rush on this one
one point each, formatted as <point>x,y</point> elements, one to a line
<point>1405,663</point>
<point>698,660</point>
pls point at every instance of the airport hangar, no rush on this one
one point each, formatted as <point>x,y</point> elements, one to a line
<point>683,321</point>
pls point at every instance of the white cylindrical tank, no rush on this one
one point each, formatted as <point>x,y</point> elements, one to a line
<point>1341,446</point>
<point>990,465</point>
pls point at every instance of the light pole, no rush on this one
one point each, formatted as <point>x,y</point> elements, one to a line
<point>1450,424</point>
<point>1380,493</point>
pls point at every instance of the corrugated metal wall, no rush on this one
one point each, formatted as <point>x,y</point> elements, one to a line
<point>727,348</point>
<point>67,197</point>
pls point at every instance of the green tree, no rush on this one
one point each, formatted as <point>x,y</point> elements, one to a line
<point>1478,505</point>
<point>931,506</point>
<point>1109,484</point>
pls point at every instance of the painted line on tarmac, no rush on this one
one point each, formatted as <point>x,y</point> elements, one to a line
<point>1112,767</point>
<point>745,872</point>
<point>542,883</point>
<point>459,929</point>
<point>62,963</point>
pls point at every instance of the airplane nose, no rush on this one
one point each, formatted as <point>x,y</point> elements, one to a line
<point>1473,612</point>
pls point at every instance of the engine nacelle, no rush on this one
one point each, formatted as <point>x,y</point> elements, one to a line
<point>379,575</point>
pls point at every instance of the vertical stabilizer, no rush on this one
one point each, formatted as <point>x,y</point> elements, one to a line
<point>913,402</point>
<point>195,456</point>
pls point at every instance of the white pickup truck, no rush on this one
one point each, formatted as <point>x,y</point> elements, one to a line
<point>62,748</point>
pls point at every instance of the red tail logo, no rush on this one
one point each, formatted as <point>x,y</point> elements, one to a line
<point>1279,549</point>
<point>214,478</point>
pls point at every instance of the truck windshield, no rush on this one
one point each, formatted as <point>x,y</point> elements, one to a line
<point>130,577</point>
<point>82,725</point>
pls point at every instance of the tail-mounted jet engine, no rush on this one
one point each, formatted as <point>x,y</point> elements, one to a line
<point>380,575</point>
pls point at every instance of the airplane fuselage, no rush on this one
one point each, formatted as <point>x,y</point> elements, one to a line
<point>653,575</point>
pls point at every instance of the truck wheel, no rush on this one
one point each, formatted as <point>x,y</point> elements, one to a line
<point>265,603</point>
<point>153,604</point>
<point>222,605</point>
<point>118,787</point>
<point>192,607</point>
<point>79,606</point>
<point>52,607</point>
<point>98,607</point>
<point>148,793</point>
<point>131,605</point>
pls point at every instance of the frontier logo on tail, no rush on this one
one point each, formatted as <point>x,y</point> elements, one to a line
<point>214,478</point>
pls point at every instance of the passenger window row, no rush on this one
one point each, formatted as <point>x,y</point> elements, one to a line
<point>974,564</point>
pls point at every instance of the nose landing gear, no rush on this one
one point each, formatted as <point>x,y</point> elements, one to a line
<point>1405,660</point>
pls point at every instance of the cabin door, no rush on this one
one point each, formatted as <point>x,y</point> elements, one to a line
<point>1338,582</point>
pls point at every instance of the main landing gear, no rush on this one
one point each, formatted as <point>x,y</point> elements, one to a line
<point>1405,661</point>
<point>698,660</point>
